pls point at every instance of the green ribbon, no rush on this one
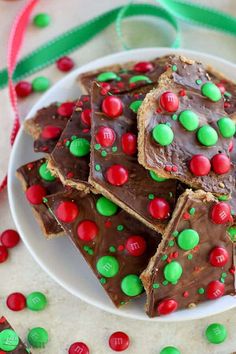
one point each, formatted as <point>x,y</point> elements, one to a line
<point>170,11</point>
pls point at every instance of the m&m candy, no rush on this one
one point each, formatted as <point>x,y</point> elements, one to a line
<point>119,341</point>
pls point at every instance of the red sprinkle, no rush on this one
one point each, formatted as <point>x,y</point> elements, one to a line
<point>30,166</point>
<point>227,105</point>
<point>159,110</point>
<point>129,143</point>
<point>232,270</point>
<point>167,306</point>
<point>220,164</point>
<point>3,254</point>
<point>35,194</point>
<point>143,67</point>
<point>86,117</point>
<point>186,216</point>
<point>70,175</point>
<point>51,132</point>
<point>221,87</point>
<point>87,230</point>
<point>169,101</point>
<point>175,254</point>
<point>121,248</point>
<point>107,224</point>
<point>112,106</point>
<point>174,168</point>
<point>159,208</point>
<point>16,302</point>
<point>66,109</point>
<point>119,341</point>
<point>78,348</point>
<point>117,175</point>
<point>23,89</point>
<point>182,93</point>
<point>185,294</point>
<point>136,245</point>
<point>65,64</point>
<point>67,211</point>
<point>10,238</point>
<point>168,168</point>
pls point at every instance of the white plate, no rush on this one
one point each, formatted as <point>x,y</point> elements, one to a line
<point>58,257</point>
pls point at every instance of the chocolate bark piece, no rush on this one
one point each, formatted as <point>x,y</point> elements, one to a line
<point>10,342</point>
<point>116,246</point>
<point>38,183</point>
<point>125,77</point>
<point>70,158</point>
<point>177,124</point>
<point>195,260</point>
<point>47,125</point>
<point>114,168</point>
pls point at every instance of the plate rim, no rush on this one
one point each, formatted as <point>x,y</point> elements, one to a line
<point>11,176</point>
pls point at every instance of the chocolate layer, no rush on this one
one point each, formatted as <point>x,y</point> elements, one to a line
<point>8,343</point>
<point>99,230</point>
<point>29,176</point>
<point>207,266</point>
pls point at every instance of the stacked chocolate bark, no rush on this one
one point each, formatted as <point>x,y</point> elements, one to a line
<point>116,178</point>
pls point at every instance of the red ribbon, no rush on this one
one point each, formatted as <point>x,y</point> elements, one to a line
<point>14,45</point>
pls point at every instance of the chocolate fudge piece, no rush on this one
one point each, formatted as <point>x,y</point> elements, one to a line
<point>125,77</point>
<point>9,340</point>
<point>194,262</point>
<point>114,168</point>
<point>47,125</point>
<point>70,158</point>
<point>116,246</point>
<point>38,183</point>
<point>185,134</point>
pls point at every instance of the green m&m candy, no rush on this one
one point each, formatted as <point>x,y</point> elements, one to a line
<point>108,266</point>
<point>216,333</point>
<point>40,84</point>
<point>226,127</point>
<point>211,91</point>
<point>45,173</point>
<point>189,120</point>
<point>136,78</point>
<point>188,239</point>
<point>163,134</point>
<point>107,76</point>
<point>38,337</point>
<point>79,147</point>
<point>173,271</point>
<point>36,301</point>
<point>156,178</point>
<point>170,350</point>
<point>131,285</point>
<point>9,340</point>
<point>106,207</point>
<point>207,135</point>
<point>134,106</point>
<point>41,20</point>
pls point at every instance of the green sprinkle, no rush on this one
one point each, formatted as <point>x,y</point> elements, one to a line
<point>114,148</point>
<point>90,251</point>
<point>165,282</point>
<point>224,275</point>
<point>201,291</point>
<point>45,200</point>
<point>155,285</point>
<point>174,117</point>
<point>112,249</point>
<point>73,137</point>
<point>169,124</point>
<point>174,68</point>
<point>97,146</point>
<point>104,153</point>
<point>175,233</point>
<point>192,211</point>
<point>190,256</point>
<point>103,281</point>
<point>198,81</point>
<point>171,243</point>
<point>232,233</point>
<point>222,280</point>
<point>227,94</point>
<point>223,197</point>
<point>164,257</point>
<point>67,143</point>
<point>120,228</point>
<point>151,196</point>
<point>86,248</point>
<point>97,167</point>
<point>122,302</point>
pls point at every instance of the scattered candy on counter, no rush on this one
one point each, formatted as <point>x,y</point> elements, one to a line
<point>170,350</point>
<point>216,333</point>
<point>40,84</point>
<point>9,239</point>
<point>65,64</point>
<point>119,341</point>
<point>38,337</point>
<point>36,301</point>
<point>42,20</point>
<point>23,89</point>
<point>78,347</point>
<point>16,302</point>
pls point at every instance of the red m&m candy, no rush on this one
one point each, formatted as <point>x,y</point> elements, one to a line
<point>129,143</point>
<point>215,289</point>
<point>78,348</point>
<point>136,245</point>
<point>119,341</point>
<point>51,132</point>
<point>169,101</point>
<point>218,257</point>
<point>221,213</point>
<point>10,238</point>
<point>3,254</point>
<point>220,164</point>
<point>105,136</point>
<point>87,230</point>
<point>35,194</point>
<point>66,109</point>
<point>159,208</point>
<point>112,106</point>
<point>23,89</point>
<point>165,307</point>
<point>67,211</point>
<point>117,175</point>
<point>200,165</point>
<point>16,302</point>
<point>65,64</point>
<point>143,67</point>
<point>86,117</point>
